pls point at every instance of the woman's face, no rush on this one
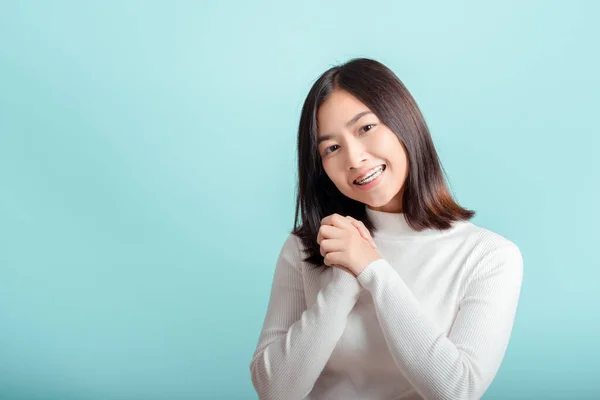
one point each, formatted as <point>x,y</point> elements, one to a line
<point>352,142</point>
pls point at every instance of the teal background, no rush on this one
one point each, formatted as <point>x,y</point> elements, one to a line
<point>147,178</point>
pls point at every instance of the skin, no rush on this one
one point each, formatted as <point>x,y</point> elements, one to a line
<point>351,146</point>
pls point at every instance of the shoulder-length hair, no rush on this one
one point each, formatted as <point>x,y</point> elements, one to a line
<point>426,200</point>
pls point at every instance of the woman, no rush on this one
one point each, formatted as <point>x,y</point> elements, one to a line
<point>386,290</point>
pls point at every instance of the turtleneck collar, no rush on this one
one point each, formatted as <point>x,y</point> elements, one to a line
<point>395,225</point>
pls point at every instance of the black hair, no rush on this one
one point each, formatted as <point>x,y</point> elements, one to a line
<point>426,200</point>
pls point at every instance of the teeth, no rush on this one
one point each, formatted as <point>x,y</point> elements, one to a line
<point>371,176</point>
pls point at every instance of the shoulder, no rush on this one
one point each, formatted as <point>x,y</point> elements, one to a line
<point>291,250</point>
<point>484,239</point>
<point>491,249</point>
<point>291,244</point>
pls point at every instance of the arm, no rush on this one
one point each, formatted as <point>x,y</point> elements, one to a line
<point>296,342</point>
<point>463,364</point>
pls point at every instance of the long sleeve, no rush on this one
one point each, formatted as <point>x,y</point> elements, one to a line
<point>296,342</point>
<point>463,364</point>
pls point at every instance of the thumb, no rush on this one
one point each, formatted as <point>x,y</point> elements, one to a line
<point>365,235</point>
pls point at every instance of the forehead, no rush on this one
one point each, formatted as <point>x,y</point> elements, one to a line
<point>338,109</point>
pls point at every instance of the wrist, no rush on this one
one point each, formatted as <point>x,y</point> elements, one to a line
<point>346,281</point>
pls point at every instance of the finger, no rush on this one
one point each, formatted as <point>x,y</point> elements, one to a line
<point>333,258</point>
<point>363,231</point>
<point>367,236</point>
<point>326,220</point>
<point>331,245</point>
<point>329,232</point>
<point>336,220</point>
<point>321,234</point>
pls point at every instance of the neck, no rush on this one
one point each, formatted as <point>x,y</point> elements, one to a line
<point>394,224</point>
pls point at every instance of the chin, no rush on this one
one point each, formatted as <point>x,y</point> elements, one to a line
<point>376,204</point>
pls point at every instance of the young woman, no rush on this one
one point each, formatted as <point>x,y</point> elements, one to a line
<point>386,290</point>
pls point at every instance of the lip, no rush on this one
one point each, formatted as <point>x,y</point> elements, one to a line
<point>371,185</point>
<point>365,171</point>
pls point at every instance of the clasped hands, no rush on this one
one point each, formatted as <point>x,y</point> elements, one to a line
<point>346,243</point>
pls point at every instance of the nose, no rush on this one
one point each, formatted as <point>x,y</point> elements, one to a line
<point>356,154</point>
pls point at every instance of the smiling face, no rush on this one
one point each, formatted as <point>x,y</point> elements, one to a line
<point>353,141</point>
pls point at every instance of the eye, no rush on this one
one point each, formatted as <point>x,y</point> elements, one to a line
<point>327,150</point>
<point>370,126</point>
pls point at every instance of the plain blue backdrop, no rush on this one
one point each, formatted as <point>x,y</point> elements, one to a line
<point>148,166</point>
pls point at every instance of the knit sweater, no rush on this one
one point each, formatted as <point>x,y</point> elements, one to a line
<point>431,319</point>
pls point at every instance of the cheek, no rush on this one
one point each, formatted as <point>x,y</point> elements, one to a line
<point>397,153</point>
<point>332,172</point>
<point>396,157</point>
<point>331,166</point>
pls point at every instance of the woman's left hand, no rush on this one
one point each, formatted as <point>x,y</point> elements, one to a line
<point>343,244</point>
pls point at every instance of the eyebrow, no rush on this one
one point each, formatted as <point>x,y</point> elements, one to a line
<point>352,121</point>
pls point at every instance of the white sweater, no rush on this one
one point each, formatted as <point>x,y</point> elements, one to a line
<point>431,319</point>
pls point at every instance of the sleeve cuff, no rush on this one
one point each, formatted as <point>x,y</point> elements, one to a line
<point>344,283</point>
<point>367,277</point>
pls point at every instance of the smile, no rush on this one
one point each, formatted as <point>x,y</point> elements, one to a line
<point>371,175</point>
